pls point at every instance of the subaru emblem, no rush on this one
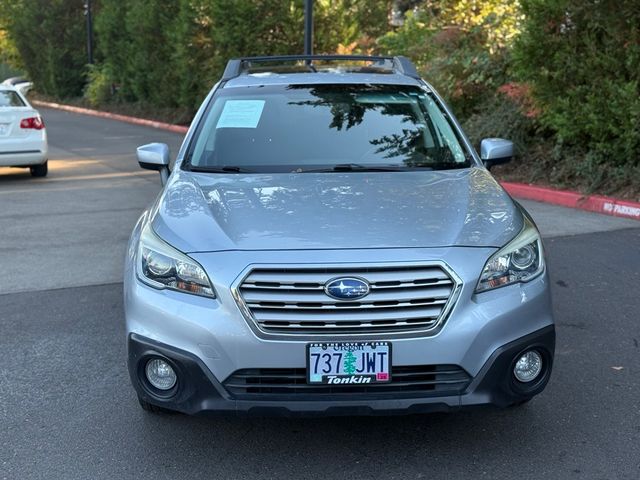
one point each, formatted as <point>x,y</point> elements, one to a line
<point>346,288</point>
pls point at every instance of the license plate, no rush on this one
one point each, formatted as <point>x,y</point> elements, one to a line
<point>4,128</point>
<point>351,363</point>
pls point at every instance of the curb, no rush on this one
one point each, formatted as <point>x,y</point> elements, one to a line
<point>113,116</point>
<point>566,198</point>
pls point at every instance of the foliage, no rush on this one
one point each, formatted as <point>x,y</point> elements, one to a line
<point>461,47</point>
<point>170,52</point>
<point>50,37</point>
<point>349,26</point>
<point>99,88</point>
<point>583,59</point>
<point>508,114</point>
<point>9,56</point>
<point>500,20</point>
<point>135,39</point>
<point>260,27</point>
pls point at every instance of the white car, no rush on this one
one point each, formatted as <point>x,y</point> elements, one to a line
<point>23,137</point>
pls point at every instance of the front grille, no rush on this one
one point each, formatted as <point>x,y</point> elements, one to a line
<point>401,298</point>
<point>415,380</point>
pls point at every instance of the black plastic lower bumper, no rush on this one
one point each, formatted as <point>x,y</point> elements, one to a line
<point>198,391</point>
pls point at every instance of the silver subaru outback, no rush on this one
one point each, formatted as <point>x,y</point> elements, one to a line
<point>328,242</point>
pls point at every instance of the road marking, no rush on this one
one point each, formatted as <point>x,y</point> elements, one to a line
<point>98,176</point>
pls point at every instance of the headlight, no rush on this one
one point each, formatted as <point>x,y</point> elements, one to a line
<point>519,261</point>
<point>162,266</point>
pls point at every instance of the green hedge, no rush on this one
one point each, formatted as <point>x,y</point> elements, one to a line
<point>50,37</point>
<point>582,58</point>
<point>170,52</point>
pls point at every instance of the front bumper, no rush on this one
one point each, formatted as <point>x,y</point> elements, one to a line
<point>198,391</point>
<point>214,340</point>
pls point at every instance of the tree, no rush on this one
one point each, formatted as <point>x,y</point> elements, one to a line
<point>349,25</point>
<point>582,58</point>
<point>49,36</point>
<point>350,363</point>
<point>463,46</point>
<point>9,56</point>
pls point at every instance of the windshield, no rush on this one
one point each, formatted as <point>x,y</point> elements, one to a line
<point>308,127</point>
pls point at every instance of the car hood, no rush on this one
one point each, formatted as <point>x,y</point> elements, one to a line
<point>200,212</point>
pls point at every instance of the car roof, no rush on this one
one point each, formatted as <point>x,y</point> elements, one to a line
<point>14,81</point>
<point>321,77</point>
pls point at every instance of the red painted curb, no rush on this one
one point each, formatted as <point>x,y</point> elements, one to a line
<point>114,116</point>
<point>566,198</point>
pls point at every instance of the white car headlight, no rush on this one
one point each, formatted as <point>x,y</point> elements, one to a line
<point>162,266</point>
<point>519,261</point>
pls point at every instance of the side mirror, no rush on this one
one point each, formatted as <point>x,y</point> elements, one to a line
<point>495,151</point>
<point>155,156</point>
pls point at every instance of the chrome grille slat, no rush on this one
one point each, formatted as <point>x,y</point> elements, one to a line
<point>292,300</point>
<point>349,324</point>
<point>293,296</point>
<point>344,307</point>
<point>299,288</point>
<point>322,315</point>
<point>322,276</point>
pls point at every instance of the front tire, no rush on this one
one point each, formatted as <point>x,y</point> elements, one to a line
<point>40,170</point>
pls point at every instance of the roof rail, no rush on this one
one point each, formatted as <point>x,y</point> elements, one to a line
<point>401,65</point>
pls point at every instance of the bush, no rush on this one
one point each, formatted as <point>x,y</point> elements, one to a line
<point>462,47</point>
<point>583,59</point>
<point>170,53</point>
<point>508,114</point>
<point>99,88</point>
<point>50,37</point>
<point>10,64</point>
<point>348,26</point>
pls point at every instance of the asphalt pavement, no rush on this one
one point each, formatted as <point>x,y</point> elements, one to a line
<point>67,410</point>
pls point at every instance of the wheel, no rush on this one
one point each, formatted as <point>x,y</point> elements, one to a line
<point>40,170</point>
<point>149,407</point>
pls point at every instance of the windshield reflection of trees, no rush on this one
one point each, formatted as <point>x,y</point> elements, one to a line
<point>347,111</point>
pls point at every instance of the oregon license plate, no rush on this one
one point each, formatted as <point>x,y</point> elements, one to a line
<point>350,363</point>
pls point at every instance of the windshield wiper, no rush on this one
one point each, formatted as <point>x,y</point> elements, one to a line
<point>355,167</point>
<point>223,169</point>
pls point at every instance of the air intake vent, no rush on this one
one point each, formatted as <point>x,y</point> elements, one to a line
<point>288,383</point>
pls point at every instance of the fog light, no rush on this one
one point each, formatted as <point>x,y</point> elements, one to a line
<point>528,366</point>
<point>160,374</point>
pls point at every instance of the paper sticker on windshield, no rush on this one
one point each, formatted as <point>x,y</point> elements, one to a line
<point>240,114</point>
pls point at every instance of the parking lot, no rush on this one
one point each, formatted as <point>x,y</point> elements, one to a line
<point>67,409</point>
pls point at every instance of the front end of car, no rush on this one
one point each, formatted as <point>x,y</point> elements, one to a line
<point>248,331</point>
